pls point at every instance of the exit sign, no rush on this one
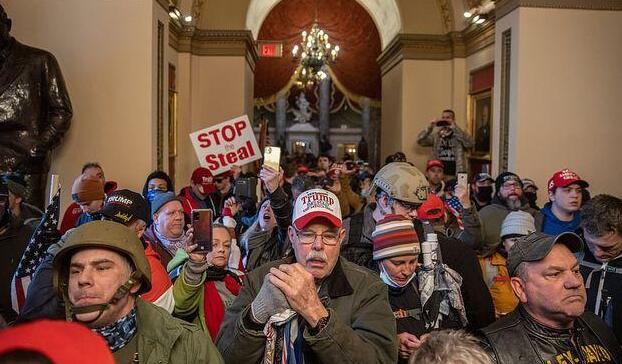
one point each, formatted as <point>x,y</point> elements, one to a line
<point>270,49</point>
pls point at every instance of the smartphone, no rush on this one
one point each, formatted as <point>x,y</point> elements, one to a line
<point>442,123</point>
<point>272,157</point>
<point>202,225</point>
<point>462,180</point>
<point>245,188</point>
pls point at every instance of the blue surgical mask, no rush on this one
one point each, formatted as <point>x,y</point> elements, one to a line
<point>386,278</point>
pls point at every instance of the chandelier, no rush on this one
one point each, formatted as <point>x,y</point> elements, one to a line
<point>314,53</point>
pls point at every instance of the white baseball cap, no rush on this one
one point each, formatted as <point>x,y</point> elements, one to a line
<point>316,203</point>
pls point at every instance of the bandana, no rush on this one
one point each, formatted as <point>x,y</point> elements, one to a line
<point>172,245</point>
<point>119,333</point>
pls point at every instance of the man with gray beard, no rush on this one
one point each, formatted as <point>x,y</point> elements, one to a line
<point>482,229</point>
<point>314,307</point>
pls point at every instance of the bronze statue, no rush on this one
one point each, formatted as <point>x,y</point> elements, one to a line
<point>35,110</point>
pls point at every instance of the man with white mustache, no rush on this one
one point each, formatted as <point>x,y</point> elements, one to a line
<point>315,307</point>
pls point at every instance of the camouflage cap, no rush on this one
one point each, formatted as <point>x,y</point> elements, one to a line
<point>402,181</point>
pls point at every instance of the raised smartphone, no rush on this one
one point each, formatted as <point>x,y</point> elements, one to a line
<point>463,179</point>
<point>272,157</point>
<point>202,225</point>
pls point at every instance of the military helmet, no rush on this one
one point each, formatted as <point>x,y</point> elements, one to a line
<point>105,235</point>
<point>402,181</point>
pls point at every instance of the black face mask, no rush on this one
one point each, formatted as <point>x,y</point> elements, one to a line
<point>484,193</point>
<point>531,197</point>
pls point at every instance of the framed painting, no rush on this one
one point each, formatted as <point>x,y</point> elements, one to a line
<point>480,117</point>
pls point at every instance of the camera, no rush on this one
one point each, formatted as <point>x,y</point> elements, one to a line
<point>245,188</point>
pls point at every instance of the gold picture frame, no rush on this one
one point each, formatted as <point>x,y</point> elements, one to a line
<point>479,115</point>
<point>172,124</point>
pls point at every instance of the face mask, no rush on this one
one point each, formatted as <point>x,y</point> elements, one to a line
<point>152,193</point>
<point>484,193</point>
<point>531,197</point>
<point>386,278</point>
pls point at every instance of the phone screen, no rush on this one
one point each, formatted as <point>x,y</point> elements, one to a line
<point>202,225</point>
<point>272,157</point>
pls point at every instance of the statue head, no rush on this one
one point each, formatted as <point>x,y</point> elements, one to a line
<point>5,27</point>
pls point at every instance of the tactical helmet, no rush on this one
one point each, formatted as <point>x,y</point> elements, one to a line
<point>402,181</point>
<point>106,235</point>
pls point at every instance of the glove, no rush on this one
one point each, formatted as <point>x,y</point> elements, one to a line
<point>269,301</point>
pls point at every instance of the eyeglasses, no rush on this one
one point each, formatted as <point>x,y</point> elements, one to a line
<point>308,237</point>
<point>218,180</point>
<point>511,185</point>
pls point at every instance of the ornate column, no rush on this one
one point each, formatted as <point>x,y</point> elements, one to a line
<point>281,117</point>
<point>365,118</point>
<point>324,110</point>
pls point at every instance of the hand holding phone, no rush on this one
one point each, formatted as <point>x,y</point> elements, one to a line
<point>463,179</point>
<point>202,226</point>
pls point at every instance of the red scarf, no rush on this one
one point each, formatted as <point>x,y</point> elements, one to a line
<point>213,306</point>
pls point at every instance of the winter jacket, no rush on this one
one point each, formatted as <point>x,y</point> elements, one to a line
<point>190,201</point>
<point>30,213</point>
<point>482,229</point>
<point>519,338</point>
<point>265,246</point>
<point>349,201</point>
<point>165,339</point>
<point>42,300</point>
<point>477,300</point>
<point>461,142</point>
<point>361,328</point>
<point>604,280</point>
<point>553,226</point>
<point>497,278</point>
<point>190,300</point>
<point>13,242</point>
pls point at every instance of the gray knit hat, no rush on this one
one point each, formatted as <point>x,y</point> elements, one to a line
<point>518,223</point>
<point>161,199</point>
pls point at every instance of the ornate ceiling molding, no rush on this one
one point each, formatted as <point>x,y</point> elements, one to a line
<point>437,47</point>
<point>446,14</point>
<point>211,42</point>
<point>504,7</point>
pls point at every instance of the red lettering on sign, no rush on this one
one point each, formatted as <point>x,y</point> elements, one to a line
<point>204,140</point>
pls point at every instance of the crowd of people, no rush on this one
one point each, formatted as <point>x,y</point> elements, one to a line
<point>321,261</point>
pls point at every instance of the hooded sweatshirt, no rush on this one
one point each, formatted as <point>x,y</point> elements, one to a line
<point>553,226</point>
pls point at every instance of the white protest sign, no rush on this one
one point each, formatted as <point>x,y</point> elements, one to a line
<point>229,143</point>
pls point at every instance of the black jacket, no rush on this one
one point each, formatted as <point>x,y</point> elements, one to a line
<point>12,245</point>
<point>519,338</point>
<point>261,247</point>
<point>477,300</point>
<point>610,307</point>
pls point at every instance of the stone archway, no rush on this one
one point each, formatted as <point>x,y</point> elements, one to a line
<point>385,14</point>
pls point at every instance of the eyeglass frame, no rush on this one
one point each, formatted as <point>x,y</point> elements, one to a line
<point>315,237</point>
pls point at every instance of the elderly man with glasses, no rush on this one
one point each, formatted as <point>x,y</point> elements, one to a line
<point>315,306</point>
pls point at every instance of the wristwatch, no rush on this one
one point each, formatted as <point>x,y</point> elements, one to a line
<point>321,323</point>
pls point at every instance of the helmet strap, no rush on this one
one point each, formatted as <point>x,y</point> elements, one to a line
<point>101,307</point>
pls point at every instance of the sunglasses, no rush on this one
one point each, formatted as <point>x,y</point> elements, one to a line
<point>218,180</point>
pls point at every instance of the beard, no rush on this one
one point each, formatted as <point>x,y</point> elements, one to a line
<point>514,204</point>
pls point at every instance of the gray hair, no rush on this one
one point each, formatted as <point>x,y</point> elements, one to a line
<point>450,347</point>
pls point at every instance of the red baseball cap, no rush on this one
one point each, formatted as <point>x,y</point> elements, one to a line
<point>564,178</point>
<point>433,208</point>
<point>60,341</point>
<point>434,163</point>
<point>203,176</point>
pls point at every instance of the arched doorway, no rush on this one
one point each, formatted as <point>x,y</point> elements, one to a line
<point>343,109</point>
